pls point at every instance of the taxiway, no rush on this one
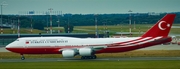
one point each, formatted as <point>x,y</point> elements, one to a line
<point>98,59</point>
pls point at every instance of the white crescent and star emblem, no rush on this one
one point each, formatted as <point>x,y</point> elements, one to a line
<point>160,25</point>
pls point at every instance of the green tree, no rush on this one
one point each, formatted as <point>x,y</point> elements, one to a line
<point>38,25</point>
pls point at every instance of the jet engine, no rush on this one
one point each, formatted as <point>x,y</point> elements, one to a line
<point>85,51</point>
<point>68,53</point>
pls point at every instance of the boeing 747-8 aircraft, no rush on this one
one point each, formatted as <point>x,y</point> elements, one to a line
<point>88,47</point>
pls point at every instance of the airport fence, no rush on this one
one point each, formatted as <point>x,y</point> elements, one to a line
<point>6,41</point>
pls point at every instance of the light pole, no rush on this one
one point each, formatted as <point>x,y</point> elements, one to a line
<point>68,25</point>
<point>96,27</point>
<point>31,25</point>
<point>2,4</point>
<point>18,27</point>
<point>130,21</point>
<point>58,18</point>
<point>47,30</point>
<point>105,29</point>
<point>50,20</point>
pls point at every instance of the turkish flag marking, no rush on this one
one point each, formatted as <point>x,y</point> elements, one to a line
<point>27,42</point>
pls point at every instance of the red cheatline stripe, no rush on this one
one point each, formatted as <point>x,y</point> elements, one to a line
<point>142,42</point>
<point>137,41</point>
<point>128,41</point>
<point>131,42</point>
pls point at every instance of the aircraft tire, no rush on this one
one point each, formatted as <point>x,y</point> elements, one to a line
<point>83,57</point>
<point>89,57</point>
<point>22,58</point>
<point>94,57</point>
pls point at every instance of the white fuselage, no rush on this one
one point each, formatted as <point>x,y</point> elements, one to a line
<point>65,41</point>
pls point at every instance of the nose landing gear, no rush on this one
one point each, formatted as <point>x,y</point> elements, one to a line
<point>22,57</point>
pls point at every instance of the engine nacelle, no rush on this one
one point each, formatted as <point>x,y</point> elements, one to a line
<point>85,51</point>
<point>68,53</point>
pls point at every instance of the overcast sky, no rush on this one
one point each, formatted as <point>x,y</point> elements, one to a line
<point>92,6</point>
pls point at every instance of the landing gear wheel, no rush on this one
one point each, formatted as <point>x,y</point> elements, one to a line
<point>94,57</point>
<point>83,57</point>
<point>22,57</point>
<point>89,57</point>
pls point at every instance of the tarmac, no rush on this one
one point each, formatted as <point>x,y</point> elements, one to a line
<point>98,59</point>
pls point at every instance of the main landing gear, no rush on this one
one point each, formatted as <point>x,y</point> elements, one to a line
<point>22,57</point>
<point>89,57</point>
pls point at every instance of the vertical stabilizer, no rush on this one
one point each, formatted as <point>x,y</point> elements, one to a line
<point>162,27</point>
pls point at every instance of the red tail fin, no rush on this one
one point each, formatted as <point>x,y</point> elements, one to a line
<point>162,27</point>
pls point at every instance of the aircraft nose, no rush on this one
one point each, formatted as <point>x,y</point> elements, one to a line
<point>8,46</point>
